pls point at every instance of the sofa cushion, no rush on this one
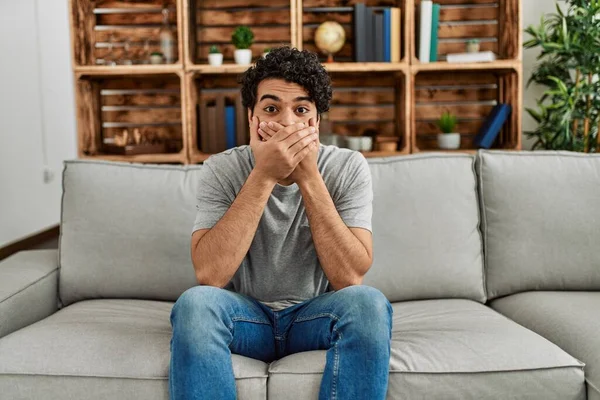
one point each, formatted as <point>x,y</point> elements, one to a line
<point>125,230</point>
<point>540,220</point>
<point>103,349</point>
<point>452,349</point>
<point>426,237</point>
<point>569,319</point>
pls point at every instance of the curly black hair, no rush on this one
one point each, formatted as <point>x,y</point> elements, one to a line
<point>301,67</point>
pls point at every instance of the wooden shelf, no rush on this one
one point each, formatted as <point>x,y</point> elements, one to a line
<point>331,67</point>
<point>365,67</point>
<point>141,158</point>
<point>482,66</point>
<point>391,99</point>
<point>102,70</point>
<point>372,154</point>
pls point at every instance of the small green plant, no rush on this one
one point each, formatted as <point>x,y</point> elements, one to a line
<point>214,50</point>
<point>267,50</point>
<point>473,41</point>
<point>156,53</point>
<point>447,122</point>
<point>242,37</point>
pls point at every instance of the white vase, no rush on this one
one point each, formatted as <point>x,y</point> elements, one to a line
<point>448,141</point>
<point>215,59</point>
<point>242,56</point>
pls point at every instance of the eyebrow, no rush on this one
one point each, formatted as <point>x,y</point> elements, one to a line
<point>273,97</point>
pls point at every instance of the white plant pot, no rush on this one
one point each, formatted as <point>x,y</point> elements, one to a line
<point>215,59</point>
<point>448,141</point>
<point>242,56</point>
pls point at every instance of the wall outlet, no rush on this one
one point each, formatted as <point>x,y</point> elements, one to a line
<point>48,175</point>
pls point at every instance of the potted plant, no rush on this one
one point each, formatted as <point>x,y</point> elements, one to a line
<point>568,112</point>
<point>472,45</point>
<point>156,57</point>
<point>448,139</point>
<point>242,38</point>
<point>215,57</point>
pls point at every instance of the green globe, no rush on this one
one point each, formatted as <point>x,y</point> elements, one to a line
<point>330,38</point>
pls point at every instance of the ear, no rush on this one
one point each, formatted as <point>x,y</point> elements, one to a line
<point>250,117</point>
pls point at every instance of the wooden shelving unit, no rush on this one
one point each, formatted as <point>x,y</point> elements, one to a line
<point>399,99</point>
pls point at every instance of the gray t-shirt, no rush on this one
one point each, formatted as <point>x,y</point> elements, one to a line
<point>281,267</point>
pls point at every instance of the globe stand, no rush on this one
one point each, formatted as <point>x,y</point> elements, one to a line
<point>329,57</point>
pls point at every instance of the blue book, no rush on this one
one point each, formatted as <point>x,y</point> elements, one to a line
<point>492,125</point>
<point>387,34</point>
<point>230,126</point>
<point>435,23</point>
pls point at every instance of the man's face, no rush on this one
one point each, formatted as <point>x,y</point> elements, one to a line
<point>283,102</point>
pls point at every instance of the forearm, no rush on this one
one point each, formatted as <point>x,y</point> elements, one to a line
<point>342,256</point>
<point>221,250</point>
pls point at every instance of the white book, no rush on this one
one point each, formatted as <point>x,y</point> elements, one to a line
<point>425,31</point>
<point>481,56</point>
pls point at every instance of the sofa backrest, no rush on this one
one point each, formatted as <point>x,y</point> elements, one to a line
<point>541,220</point>
<point>426,237</point>
<point>126,230</point>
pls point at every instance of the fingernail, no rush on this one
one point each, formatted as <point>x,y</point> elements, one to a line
<point>263,124</point>
<point>312,129</point>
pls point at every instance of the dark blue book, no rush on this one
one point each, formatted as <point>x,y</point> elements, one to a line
<point>387,34</point>
<point>360,43</point>
<point>369,33</point>
<point>492,125</point>
<point>229,126</point>
<point>378,36</point>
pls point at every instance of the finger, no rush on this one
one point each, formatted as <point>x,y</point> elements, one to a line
<point>264,135</point>
<point>272,128</point>
<point>285,133</point>
<point>300,155</point>
<point>298,136</point>
<point>304,142</point>
<point>254,136</point>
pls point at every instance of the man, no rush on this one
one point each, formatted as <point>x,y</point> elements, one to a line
<point>281,242</point>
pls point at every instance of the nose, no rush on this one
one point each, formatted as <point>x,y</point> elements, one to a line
<point>287,117</point>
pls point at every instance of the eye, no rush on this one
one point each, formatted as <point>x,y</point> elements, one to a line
<point>302,110</point>
<point>270,109</point>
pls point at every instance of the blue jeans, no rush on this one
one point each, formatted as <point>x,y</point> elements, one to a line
<point>353,324</point>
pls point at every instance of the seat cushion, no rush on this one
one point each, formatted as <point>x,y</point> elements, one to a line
<point>452,349</point>
<point>569,319</point>
<point>103,349</point>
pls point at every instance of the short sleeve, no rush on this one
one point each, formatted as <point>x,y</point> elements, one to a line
<point>355,199</point>
<point>212,202</point>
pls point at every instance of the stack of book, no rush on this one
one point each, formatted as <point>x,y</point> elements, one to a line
<point>377,34</point>
<point>429,22</point>
<point>223,123</point>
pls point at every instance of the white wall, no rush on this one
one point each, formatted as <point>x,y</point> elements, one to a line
<point>37,123</point>
<point>532,11</point>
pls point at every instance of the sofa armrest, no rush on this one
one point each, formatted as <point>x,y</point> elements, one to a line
<point>28,288</point>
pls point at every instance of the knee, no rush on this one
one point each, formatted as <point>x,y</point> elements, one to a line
<point>196,303</point>
<point>368,307</point>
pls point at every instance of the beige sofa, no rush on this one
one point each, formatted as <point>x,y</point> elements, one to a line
<point>491,262</point>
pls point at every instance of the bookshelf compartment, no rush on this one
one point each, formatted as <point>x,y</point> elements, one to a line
<point>214,102</point>
<point>315,12</point>
<point>212,22</point>
<point>470,96</point>
<point>370,105</point>
<point>150,106</point>
<point>495,23</point>
<point>98,25</point>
